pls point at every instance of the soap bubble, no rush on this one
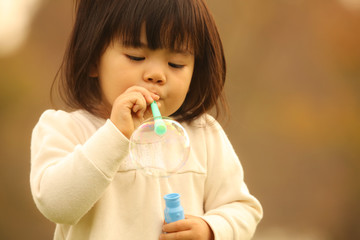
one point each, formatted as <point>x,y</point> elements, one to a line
<point>159,155</point>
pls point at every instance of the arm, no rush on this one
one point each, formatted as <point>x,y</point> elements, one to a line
<point>230,210</point>
<point>69,173</point>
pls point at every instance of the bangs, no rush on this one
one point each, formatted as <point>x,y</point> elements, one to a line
<point>169,24</point>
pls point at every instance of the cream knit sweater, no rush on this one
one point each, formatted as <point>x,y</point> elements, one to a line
<point>83,180</point>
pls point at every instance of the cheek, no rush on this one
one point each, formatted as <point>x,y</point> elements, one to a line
<point>110,91</point>
<point>184,91</point>
<point>114,83</point>
<point>186,85</point>
<point>180,93</point>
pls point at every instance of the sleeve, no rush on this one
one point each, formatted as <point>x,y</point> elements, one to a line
<point>230,210</point>
<point>69,175</point>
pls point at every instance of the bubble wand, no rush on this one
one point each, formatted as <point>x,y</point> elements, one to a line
<point>160,127</point>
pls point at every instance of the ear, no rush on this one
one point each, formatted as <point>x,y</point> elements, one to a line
<point>93,71</point>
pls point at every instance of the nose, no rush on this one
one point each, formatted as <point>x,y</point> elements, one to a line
<point>155,75</point>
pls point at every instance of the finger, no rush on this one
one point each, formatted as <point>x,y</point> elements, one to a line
<point>155,96</point>
<point>139,106</point>
<point>183,235</point>
<point>136,108</point>
<point>135,101</point>
<point>149,96</point>
<point>140,113</point>
<point>181,225</point>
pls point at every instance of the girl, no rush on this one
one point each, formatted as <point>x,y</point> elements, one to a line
<point>123,55</point>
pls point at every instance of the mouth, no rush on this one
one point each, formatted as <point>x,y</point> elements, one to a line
<point>156,92</point>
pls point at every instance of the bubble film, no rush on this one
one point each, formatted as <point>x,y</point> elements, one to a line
<point>159,155</point>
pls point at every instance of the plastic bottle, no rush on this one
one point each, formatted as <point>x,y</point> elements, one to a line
<point>173,210</point>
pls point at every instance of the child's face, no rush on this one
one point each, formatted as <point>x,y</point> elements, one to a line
<point>162,71</point>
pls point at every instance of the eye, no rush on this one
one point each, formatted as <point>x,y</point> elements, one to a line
<point>134,58</point>
<point>174,65</point>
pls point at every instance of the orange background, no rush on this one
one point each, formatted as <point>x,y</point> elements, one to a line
<point>293,86</point>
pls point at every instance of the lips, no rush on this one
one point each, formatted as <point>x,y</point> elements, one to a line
<point>156,92</point>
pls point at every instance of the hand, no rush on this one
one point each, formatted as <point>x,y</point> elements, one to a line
<point>190,228</point>
<point>129,109</point>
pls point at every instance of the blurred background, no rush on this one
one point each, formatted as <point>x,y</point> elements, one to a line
<point>293,86</point>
